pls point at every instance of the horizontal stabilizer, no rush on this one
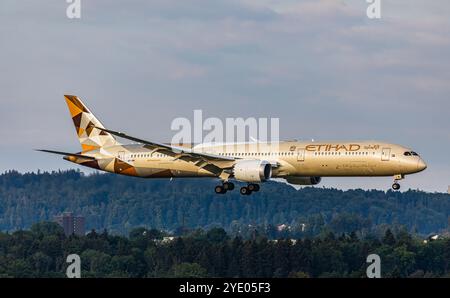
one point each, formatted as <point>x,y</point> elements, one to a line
<point>66,154</point>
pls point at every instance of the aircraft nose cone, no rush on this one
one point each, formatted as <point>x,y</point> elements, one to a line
<point>421,165</point>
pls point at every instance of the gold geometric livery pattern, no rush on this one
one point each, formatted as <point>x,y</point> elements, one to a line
<point>85,123</point>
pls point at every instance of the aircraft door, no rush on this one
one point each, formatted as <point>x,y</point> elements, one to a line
<point>386,154</point>
<point>301,154</point>
<point>121,155</point>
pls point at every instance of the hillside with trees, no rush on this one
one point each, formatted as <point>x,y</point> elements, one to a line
<point>42,251</point>
<point>119,204</point>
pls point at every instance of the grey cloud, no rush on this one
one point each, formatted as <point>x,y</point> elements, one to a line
<point>197,10</point>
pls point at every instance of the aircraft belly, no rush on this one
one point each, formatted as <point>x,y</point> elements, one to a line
<point>167,169</point>
<point>350,168</point>
<point>354,168</point>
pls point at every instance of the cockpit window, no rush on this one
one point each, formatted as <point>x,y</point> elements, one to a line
<point>410,153</point>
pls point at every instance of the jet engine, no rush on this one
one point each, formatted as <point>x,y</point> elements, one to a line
<point>303,180</point>
<point>252,170</point>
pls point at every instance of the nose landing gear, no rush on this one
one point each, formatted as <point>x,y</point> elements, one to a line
<point>396,185</point>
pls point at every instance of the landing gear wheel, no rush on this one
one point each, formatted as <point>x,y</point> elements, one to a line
<point>245,191</point>
<point>228,185</point>
<point>395,186</point>
<point>253,187</point>
<point>219,189</point>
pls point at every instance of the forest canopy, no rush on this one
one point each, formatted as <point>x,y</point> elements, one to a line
<point>119,204</point>
<point>42,252</point>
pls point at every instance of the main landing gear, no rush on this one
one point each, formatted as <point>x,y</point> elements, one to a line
<point>245,190</point>
<point>396,185</point>
<point>226,186</point>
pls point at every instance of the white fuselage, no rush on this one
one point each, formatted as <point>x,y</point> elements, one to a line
<point>295,159</point>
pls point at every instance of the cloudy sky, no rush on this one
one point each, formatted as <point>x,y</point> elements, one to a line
<point>321,66</point>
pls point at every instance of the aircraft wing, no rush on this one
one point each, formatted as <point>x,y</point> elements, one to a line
<point>202,160</point>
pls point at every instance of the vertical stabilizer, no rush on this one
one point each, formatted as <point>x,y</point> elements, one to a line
<point>85,122</point>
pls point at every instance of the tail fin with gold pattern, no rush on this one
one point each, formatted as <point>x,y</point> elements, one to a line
<point>90,137</point>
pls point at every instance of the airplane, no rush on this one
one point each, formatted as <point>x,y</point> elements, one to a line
<point>298,163</point>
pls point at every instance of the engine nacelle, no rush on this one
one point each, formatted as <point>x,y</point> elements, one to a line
<point>252,170</point>
<point>304,180</point>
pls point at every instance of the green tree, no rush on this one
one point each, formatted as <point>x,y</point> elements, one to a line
<point>389,238</point>
<point>217,235</point>
<point>42,229</point>
<point>188,270</point>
